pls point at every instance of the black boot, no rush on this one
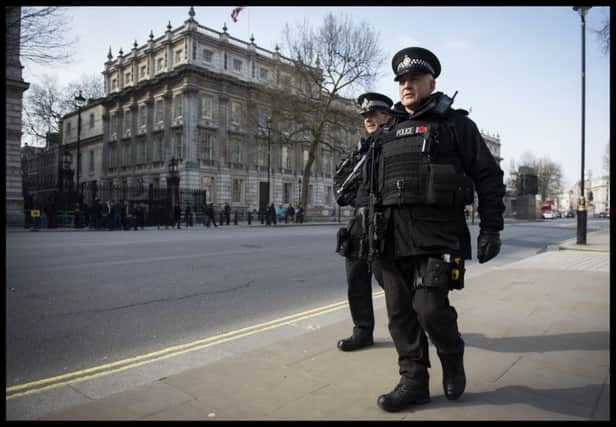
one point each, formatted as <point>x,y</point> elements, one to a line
<point>355,341</point>
<point>454,378</point>
<point>404,395</point>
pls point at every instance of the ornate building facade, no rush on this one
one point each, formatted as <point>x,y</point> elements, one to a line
<point>15,87</point>
<point>195,95</point>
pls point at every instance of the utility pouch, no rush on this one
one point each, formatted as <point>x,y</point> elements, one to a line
<point>343,242</point>
<point>432,273</point>
<point>446,188</point>
<point>456,273</point>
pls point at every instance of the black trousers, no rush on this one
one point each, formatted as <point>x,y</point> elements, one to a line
<point>413,313</point>
<point>359,281</point>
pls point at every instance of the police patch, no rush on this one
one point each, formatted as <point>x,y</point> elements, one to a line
<point>412,130</point>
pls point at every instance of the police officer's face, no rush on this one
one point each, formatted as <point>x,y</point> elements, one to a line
<point>413,88</point>
<point>374,119</point>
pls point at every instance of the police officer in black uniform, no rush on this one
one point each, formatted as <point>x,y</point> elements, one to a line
<point>352,190</point>
<point>427,160</point>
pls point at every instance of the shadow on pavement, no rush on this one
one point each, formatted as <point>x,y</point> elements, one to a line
<point>595,340</point>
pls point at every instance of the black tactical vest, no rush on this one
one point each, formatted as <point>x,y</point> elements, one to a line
<point>419,165</point>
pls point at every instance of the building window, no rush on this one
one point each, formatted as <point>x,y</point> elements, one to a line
<point>127,121</point>
<point>91,121</point>
<point>235,113</point>
<point>114,123</point>
<point>126,155</point>
<point>206,145</point>
<point>91,166</point>
<point>208,55</point>
<point>178,147</point>
<point>225,60</point>
<point>114,84</point>
<point>158,148</point>
<point>142,115</point>
<point>305,158</point>
<point>177,102</point>
<point>284,155</point>
<point>127,78</point>
<point>178,56</point>
<point>158,110</point>
<point>236,153</point>
<point>263,73</point>
<point>143,71</point>
<point>207,107</point>
<point>237,65</point>
<point>68,129</point>
<point>262,119</point>
<point>261,153</point>
<point>160,64</point>
<point>237,190</point>
<point>286,193</point>
<point>141,151</point>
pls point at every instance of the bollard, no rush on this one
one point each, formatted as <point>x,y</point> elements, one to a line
<point>249,218</point>
<point>235,218</point>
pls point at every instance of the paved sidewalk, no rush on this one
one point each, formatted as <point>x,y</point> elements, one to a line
<point>537,336</point>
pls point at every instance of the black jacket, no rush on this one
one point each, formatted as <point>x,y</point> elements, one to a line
<point>422,229</point>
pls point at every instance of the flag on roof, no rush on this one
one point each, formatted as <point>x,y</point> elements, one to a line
<point>236,12</point>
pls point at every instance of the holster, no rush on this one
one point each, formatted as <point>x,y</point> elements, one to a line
<point>446,188</point>
<point>343,242</point>
<point>436,273</point>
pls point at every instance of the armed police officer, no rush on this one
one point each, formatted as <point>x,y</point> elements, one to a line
<point>430,160</point>
<point>351,189</point>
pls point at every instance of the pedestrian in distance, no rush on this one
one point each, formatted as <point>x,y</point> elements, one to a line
<point>352,239</point>
<point>432,159</point>
<point>177,214</point>
<point>227,211</point>
<point>211,215</point>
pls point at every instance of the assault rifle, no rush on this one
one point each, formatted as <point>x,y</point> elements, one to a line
<point>346,185</point>
<point>376,220</point>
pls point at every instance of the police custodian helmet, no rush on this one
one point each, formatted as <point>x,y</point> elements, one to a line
<point>415,60</point>
<point>371,101</point>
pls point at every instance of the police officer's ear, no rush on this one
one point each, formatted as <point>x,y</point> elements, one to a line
<point>432,84</point>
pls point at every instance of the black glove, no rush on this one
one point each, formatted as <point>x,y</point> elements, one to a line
<point>488,245</point>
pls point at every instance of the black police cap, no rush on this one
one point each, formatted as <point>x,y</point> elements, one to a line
<point>371,101</point>
<point>415,60</point>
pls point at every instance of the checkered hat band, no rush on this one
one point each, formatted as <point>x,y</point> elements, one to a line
<point>375,104</point>
<point>414,63</point>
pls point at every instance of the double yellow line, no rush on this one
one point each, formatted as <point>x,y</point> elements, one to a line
<point>133,362</point>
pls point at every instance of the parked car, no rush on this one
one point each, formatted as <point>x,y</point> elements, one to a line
<point>570,214</point>
<point>548,215</point>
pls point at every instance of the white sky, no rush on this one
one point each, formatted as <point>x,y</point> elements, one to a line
<point>519,68</point>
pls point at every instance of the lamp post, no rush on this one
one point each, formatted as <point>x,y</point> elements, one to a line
<point>269,157</point>
<point>80,102</point>
<point>581,210</point>
<point>173,184</point>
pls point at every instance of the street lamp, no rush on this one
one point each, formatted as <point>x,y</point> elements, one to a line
<point>269,156</point>
<point>80,101</point>
<point>581,210</point>
<point>173,184</point>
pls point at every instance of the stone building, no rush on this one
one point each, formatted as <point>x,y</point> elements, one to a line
<point>196,95</point>
<point>15,87</point>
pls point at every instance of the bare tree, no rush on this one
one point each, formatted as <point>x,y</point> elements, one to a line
<point>43,35</point>
<point>603,34</point>
<point>331,62</point>
<point>45,104</point>
<point>549,175</point>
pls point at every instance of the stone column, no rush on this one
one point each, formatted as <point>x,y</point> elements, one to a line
<point>15,87</point>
